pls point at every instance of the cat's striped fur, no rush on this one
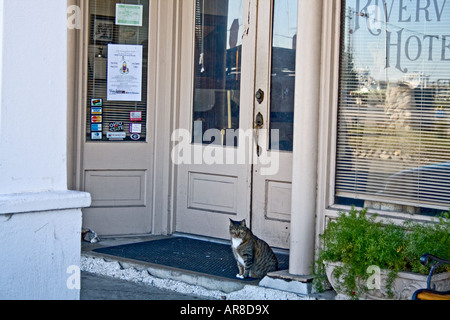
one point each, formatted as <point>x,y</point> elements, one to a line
<point>254,256</point>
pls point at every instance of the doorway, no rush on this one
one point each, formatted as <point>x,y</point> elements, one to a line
<point>116,120</point>
<point>233,149</point>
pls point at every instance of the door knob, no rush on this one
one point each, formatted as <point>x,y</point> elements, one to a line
<point>259,96</point>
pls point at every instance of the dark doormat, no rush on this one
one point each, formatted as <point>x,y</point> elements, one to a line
<point>186,254</point>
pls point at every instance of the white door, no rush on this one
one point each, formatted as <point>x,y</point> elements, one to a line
<point>227,165</point>
<point>115,120</point>
<point>212,185</point>
<point>275,78</point>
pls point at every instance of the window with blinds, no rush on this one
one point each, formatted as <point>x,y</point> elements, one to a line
<point>108,117</point>
<point>393,139</point>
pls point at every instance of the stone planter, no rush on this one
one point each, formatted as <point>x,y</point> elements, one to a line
<point>403,286</point>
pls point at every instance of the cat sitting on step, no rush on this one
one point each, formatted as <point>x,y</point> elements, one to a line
<point>254,256</point>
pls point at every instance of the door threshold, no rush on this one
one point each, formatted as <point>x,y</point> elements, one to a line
<point>221,241</point>
<point>200,237</point>
<point>130,238</point>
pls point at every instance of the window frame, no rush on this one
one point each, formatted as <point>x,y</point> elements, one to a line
<point>327,209</point>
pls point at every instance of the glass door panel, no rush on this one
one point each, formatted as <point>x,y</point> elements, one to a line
<point>284,42</point>
<point>124,118</point>
<point>217,68</point>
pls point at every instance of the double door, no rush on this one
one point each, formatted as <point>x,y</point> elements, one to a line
<point>233,148</point>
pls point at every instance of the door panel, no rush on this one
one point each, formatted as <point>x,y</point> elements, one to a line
<point>278,200</point>
<point>212,192</point>
<point>105,193</point>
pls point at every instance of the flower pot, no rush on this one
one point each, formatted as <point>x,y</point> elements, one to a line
<point>403,286</point>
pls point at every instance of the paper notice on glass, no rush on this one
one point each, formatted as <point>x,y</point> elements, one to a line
<point>124,72</point>
<point>129,14</point>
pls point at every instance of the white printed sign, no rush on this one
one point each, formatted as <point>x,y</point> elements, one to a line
<point>125,72</point>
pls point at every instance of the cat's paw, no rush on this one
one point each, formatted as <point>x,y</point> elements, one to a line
<point>239,276</point>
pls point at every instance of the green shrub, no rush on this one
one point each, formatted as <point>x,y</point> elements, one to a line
<point>433,238</point>
<point>358,241</point>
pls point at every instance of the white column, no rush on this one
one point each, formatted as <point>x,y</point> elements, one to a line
<point>306,128</point>
<point>40,220</point>
<point>34,96</point>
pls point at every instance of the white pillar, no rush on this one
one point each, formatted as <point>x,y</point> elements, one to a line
<point>40,220</point>
<point>33,96</point>
<point>306,128</point>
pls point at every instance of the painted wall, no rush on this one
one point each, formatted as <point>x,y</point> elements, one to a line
<point>40,220</point>
<point>37,252</point>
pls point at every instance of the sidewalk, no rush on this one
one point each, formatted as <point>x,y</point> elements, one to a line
<point>106,277</point>
<point>98,287</point>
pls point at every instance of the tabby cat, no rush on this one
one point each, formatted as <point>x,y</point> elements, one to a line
<point>254,256</point>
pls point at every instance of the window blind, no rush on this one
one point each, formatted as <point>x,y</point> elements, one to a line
<point>103,31</point>
<point>393,139</point>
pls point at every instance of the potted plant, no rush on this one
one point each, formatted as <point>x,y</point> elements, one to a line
<point>365,259</point>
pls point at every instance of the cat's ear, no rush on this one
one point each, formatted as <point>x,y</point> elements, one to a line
<point>243,223</point>
<point>231,222</point>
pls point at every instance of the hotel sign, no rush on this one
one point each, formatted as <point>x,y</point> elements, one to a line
<point>414,30</point>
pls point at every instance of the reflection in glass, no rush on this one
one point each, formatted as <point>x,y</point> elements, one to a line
<point>394,104</point>
<point>217,72</point>
<point>284,42</point>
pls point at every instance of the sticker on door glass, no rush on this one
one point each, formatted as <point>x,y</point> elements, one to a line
<point>135,116</point>
<point>96,136</point>
<point>96,110</point>
<point>116,126</point>
<point>135,128</point>
<point>96,119</point>
<point>135,136</point>
<point>96,102</point>
<point>116,136</point>
<point>95,127</point>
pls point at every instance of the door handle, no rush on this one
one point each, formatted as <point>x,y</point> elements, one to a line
<point>259,123</point>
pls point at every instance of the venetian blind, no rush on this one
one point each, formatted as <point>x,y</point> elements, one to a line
<point>103,31</point>
<point>393,140</point>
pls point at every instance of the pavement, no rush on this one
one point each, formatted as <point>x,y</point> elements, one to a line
<point>98,287</point>
<point>107,277</point>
